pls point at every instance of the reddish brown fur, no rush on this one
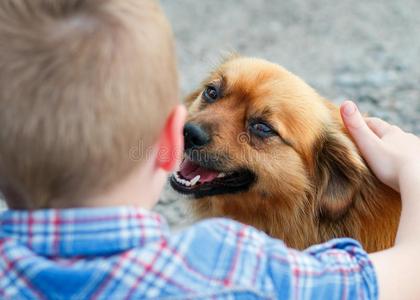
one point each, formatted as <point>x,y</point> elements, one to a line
<point>310,191</point>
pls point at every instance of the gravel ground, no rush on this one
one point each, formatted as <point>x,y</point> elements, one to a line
<point>363,50</point>
<point>368,51</point>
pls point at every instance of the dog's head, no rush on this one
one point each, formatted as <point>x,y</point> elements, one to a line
<point>254,126</point>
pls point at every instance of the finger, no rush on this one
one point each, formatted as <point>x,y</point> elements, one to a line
<point>367,141</point>
<point>378,126</point>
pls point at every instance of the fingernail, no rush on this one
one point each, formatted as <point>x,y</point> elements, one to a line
<point>349,108</point>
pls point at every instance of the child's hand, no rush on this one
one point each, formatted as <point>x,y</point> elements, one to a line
<point>394,157</point>
<point>391,153</point>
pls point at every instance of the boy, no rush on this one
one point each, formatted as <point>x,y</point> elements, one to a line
<point>89,128</point>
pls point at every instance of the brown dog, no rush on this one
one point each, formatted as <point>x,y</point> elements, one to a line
<point>263,148</point>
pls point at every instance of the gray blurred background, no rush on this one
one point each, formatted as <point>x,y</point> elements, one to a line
<point>368,51</point>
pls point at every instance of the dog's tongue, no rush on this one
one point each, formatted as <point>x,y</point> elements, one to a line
<point>189,170</point>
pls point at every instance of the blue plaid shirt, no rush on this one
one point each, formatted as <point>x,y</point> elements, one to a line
<point>129,253</point>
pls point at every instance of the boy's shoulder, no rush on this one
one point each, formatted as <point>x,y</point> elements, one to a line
<point>224,253</point>
<point>225,232</point>
<point>214,244</point>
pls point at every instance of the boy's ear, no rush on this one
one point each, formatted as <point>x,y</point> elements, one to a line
<point>171,141</point>
<point>339,173</point>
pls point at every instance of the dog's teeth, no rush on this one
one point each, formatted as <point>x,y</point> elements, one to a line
<point>185,182</point>
<point>195,180</point>
<point>221,175</point>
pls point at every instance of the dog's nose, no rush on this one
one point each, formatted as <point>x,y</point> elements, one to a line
<point>195,136</point>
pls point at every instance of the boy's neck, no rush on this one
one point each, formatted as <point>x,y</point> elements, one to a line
<point>140,189</point>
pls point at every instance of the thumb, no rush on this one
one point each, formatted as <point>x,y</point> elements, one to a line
<point>367,141</point>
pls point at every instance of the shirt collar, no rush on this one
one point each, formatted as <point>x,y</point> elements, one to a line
<point>82,231</point>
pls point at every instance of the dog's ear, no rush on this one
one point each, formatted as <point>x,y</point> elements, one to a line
<point>340,172</point>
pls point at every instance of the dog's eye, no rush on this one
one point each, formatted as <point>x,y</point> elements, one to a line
<point>262,129</point>
<point>210,94</point>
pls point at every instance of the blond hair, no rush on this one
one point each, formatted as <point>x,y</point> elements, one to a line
<point>81,83</point>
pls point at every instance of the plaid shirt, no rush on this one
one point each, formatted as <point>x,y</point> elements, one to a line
<point>129,253</point>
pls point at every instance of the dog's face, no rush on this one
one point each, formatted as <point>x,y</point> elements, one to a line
<point>253,126</point>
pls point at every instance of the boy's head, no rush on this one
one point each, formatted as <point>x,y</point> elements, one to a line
<point>86,87</point>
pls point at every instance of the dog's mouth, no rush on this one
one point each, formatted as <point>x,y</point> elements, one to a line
<point>194,179</point>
